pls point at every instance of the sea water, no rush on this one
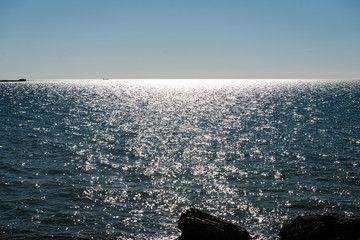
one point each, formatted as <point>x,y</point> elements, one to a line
<point>118,159</point>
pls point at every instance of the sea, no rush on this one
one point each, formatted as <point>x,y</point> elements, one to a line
<point>122,159</point>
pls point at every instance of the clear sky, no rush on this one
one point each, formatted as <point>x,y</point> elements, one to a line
<point>179,39</point>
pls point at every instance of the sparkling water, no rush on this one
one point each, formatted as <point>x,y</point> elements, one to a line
<point>121,159</point>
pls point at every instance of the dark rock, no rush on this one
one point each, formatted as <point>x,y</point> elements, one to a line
<point>328,226</point>
<point>195,224</point>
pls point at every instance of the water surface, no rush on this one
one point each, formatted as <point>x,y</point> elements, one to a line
<point>118,159</point>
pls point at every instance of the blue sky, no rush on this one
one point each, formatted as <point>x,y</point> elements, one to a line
<point>179,39</point>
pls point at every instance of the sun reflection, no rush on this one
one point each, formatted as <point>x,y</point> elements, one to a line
<point>140,151</point>
<point>189,83</point>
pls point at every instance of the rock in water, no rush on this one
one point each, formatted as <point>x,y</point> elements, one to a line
<point>195,224</point>
<point>329,226</point>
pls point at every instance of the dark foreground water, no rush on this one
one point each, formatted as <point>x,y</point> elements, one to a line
<point>122,159</point>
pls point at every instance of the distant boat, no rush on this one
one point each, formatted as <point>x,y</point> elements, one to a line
<point>105,79</point>
<point>19,80</point>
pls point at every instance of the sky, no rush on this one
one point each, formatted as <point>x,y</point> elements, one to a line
<point>234,39</point>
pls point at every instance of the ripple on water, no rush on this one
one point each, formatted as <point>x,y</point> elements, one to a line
<point>123,159</point>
